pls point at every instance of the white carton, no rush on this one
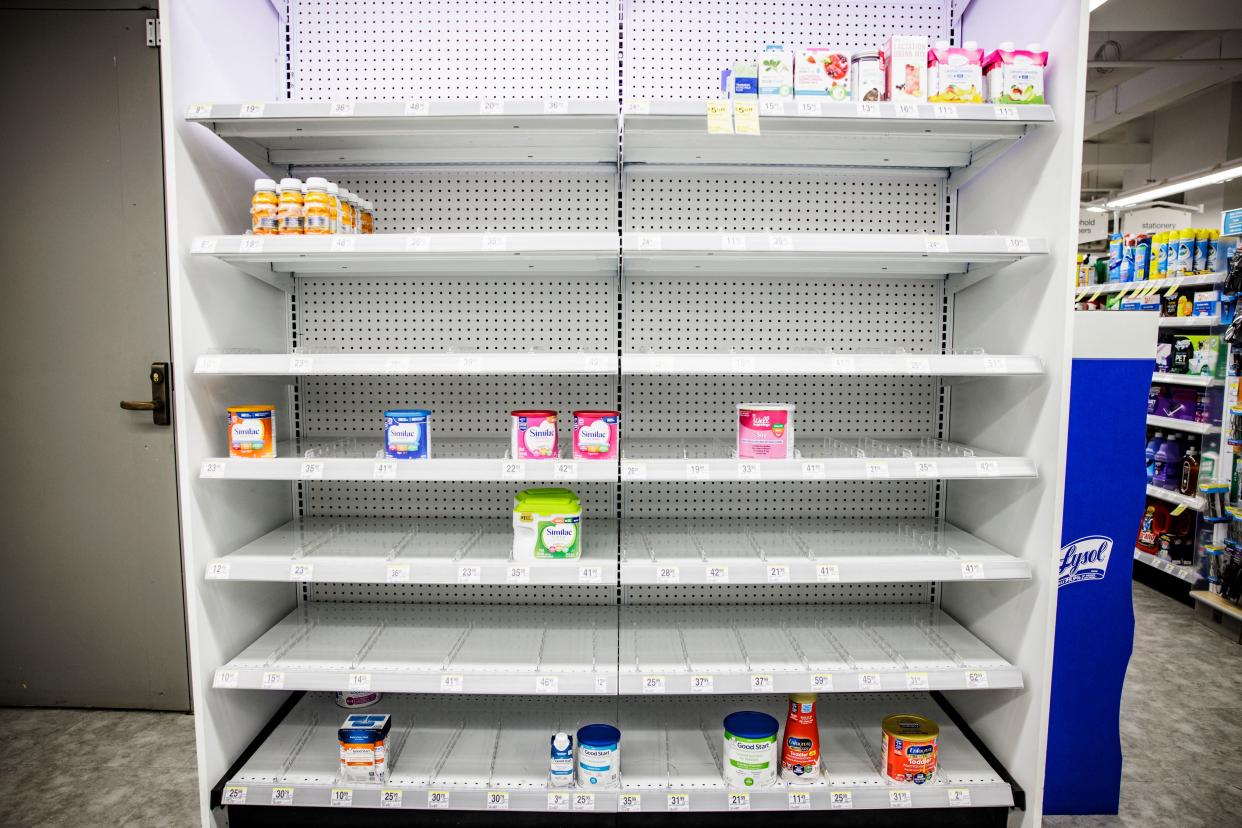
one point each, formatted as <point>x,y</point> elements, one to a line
<point>776,72</point>
<point>822,73</point>
<point>905,68</point>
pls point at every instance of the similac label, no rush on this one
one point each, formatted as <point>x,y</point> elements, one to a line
<point>251,433</point>
<point>595,435</point>
<point>534,436</point>
<point>764,433</point>
<point>557,538</point>
<point>406,435</point>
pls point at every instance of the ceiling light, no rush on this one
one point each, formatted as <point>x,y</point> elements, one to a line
<point>1216,175</point>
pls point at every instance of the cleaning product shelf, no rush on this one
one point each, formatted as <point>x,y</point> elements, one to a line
<point>902,255</point>
<point>426,363</point>
<point>870,134</point>
<point>1195,503</point>
<point>1197,280</point>
<point>1189,322</point>
<point>767,364</point>
<point>1192,380</point>
<point>433,648</point>
<point>843,458</point>
<point>867,550</point>
<point>503,764</point>
<point>413,551</point>
<point>349,458</point>
<point>1188,426</point>
<point>669,649</point>
<point>1185,573</point>
<point>277,135</point>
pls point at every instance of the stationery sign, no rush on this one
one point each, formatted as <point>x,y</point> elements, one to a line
<point>1231,222</point>
<point>1092,226</point>
<point>1154,220</point>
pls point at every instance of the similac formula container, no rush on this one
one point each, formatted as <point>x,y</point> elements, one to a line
<point>596,435</point>
<point>911,748</point>
<point>765,431</point>
<point>353,701</point>
<point>317,208</point>
<point>263,207</point>
<point>547,525</point>
<point>599,756</point>
<point>750,758</point>
<point>407,434</point>
<point>252,431</point>
<point>533,434</point>
<point>289,210</point>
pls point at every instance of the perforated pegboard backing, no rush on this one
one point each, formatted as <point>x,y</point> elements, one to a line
<point>379,50</point>
<point>897,499</point>
<point>484,500</point>
<point>675,49</point>
<point>777,594</point>
<point>513,201</point>
<point>468,594</point>
<point>749,200</point>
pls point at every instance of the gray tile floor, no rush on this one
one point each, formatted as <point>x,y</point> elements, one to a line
<point>1181,732</point>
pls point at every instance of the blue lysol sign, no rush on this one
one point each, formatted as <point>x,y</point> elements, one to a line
<point>1231,223</point>
<point>1086,559</point>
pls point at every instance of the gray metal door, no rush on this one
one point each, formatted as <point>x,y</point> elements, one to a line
<point>91,607</point>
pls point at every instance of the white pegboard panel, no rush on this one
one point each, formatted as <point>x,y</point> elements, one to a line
<point>458,313</point>
<point>778,594</point>
<point>703,315</point>
<point>757,200</point>
<point>676,49</point>
<point>502,200</point>
<point>894,499</point>
<point>558,594</point>
<point>382,50</point>
<point>490,501</point>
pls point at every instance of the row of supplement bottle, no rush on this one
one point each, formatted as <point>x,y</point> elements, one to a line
<point>316,207</point>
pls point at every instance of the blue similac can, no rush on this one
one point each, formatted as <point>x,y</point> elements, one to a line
<point>1114,257</point>
<point>407,434</point>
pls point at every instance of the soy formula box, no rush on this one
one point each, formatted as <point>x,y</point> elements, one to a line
<point>363,747</point>
<point>765,431</point>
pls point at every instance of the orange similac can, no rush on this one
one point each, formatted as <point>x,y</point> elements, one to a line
<point>252,431</point>
<point>911,748</point>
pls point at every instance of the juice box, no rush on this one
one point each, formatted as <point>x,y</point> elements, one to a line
<point>822,72</point>
<point>1015,76</point>
<point>955,75</point>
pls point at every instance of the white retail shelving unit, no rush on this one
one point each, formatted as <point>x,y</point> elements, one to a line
<point>1177,322</point>
<point>1183,573</point>
<point>1155,285</point>
<point>1193,502</point>
<point>1192,380</point>
<point>564,235</point>
<point>1187,426</point>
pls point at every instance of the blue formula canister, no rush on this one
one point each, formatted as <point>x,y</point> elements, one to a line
<point>407,434</point>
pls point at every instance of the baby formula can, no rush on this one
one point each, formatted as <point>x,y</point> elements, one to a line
<point>800,744</point>
<point>750,758</point>
<point>252,431</point>
<point>407,434</point>
<point>289,212</point>
<point>263,207</point>
<point>353,701</point>
<point>596,434</point>
<point>547,524</point>
<point>534,434</point>
<point>599,756</point>
<point>765,431</point>
<point>911,748</point>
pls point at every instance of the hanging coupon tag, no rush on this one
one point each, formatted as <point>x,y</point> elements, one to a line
<point>745,118</point>
<point>719,118</point>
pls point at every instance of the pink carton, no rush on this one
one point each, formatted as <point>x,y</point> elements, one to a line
<point>534,435</point>
<point>596,435</point>
<point>765,431</point>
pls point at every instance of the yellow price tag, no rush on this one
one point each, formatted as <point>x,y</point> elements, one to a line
<point>719,118</point>
<point>746,118</point>
<point>1095,296</point>
<point>1177,511</point>
<point>1172,290</point>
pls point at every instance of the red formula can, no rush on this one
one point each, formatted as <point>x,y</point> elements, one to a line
<point>911,748</point>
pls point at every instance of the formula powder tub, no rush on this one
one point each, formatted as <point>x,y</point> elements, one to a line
<point>765,431</point>
<point>547,525</point>
<point>750,758</point>
<point>534,434</point>
<point>599,756</point>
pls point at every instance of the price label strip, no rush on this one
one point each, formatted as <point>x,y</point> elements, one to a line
<point>719,118</point>
<point>390,798</point>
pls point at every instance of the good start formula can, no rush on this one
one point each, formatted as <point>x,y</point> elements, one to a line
<point>599,756</point>
<point>596,434</point>
<point>765,431</point>
<point>407,434</point>
<point>911,748</point>
<point>534,435</point>
<point>750,758</point>
<point>252,431</point>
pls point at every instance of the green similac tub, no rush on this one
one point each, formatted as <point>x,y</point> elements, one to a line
<point>547,525</point>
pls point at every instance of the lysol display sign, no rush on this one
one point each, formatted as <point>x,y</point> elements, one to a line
<point>1085,559</point>
<point>1231,223</point>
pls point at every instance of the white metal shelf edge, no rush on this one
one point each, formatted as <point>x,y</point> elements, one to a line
<point>1185,573</point>
<point>1177,424</point>
<point>1195,503</point>
<point>942,365</point>
<point>1167,283</point>
<point>1192,380</point>
<point>421,363</point>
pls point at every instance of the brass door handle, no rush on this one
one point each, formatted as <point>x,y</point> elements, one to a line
<point>135,405</point>
<point>160,404</point>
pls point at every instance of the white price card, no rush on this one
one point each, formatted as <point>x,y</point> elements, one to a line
<point>918,365</point>
<point>438,799</point>
<point>821,682</point>
<point>250,244</point>
<point>842,365</point>
<point>935,244</point>
<point>251,110</point>
<point>513,470</point>
<point>390,798</point>
<point>301,571</point>
<point>748,470</point>
<point>341,109</point>
<point>584,802</point>
<point>702,684</point>
<point>899,798</point>
<point>282,796</point>
<point>301,364</point>
<point>417,109</point>
<point>494,242</point>
<point>732,241</point>
<point>678,802</point>
<point>742,364</point>
<point>739,801</point>
<point>814,470</point>
<point>698,470</point>
<point>780,242</point>
<point>668,575</point>
<point>778,573</point>
<point>1017,244</point>
<point>1005,113</point>
<point>452,683</point>
<point>203,244</point>
<point>558,800</point>
<point>397,573</point>
<point>556,106</point>
<point>273,680</point>
<point>491,107</point>
<point>810,108</point>
<point>565,470</point>
<point>977,679</point>
<point>653,684</point>
<point>342,798</point>
<point>994,365</point>
<point>917,681</point>
<point>771,106</point>
<point>342,244</point>
<point>637,108</point>
<point>906,110</point>
<point>384,470</point>
<point>497,800</point>
<point>590,574</point>
<point>547,684</point>
<point>517,575</point>
<point>827,572</point>
<point>359,683</point>
<point>633,471</point>
<point>601,684</point>
<point>198,110</point>
<point>869,681</point>
<point>972,570</point>
<point>217,571</point>
<point>876,469</point>
<point>761,683</point>
<point>225,679</point>
<point>717,574</point>
<point>631,802</point>
<point>987,468</point>
<point>959,797</point>
<point>926,468</point>
<point>867,109</point>
<point>311,470</point>
<point>799,800</point>
<point>944,111</point>
<point>647,241</point>
<point>233,795</point>
<point>841,800</point>
<point>417,244</point>
<point>469,574</point>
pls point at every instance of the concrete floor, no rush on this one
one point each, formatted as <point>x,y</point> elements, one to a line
<point>1181,733</point>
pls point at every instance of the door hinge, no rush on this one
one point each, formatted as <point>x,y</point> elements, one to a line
<point>153,32</point>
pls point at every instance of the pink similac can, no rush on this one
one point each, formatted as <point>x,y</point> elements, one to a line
<point>765,431</point>
<point>534,435</point>
<point>596,434</point>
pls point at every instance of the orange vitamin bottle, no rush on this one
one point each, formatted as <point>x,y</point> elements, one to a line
<point>289,213</point>
<point>800,761</point>
<point>263,207</point>
<point>317,211</point>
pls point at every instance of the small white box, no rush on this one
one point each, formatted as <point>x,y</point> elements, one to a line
<point>776,73</point>
<point>823,73</point>
<point>905,68</point>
